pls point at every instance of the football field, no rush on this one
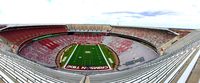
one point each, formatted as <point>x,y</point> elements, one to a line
<point>87,57</point>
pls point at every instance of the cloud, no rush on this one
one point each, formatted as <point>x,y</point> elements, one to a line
<point>124,12</point>
<point>49,1</point>
<point>120,12</point>
<point>156,13</point>
<point>143,13</point>
<point>134,16</point>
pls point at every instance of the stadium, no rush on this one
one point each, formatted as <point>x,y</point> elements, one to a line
<point>98,53</point>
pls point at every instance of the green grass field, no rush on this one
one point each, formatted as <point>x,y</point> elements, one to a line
<point>88,56</point>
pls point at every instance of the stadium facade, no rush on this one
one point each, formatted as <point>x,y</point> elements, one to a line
<point>94,53</point>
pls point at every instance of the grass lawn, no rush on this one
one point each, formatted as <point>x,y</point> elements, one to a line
<point>88,56</point>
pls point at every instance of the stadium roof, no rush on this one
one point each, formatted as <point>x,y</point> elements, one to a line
<point>156,13</point>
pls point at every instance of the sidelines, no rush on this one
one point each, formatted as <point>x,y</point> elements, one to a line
<point>104,57</point>
<point>70,56</point>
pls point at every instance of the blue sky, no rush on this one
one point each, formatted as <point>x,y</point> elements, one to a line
<point>158,13</point>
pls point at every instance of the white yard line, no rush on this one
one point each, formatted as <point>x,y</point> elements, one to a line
<point>64,59</point>
<point>104,57</point>
<point>61,57</point>
<point>70,56</point>
<point>110,60</point>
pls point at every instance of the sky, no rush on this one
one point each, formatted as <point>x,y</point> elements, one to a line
<point>151,13</point>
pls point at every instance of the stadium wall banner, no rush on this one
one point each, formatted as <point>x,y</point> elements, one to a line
<point>86,68</point>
